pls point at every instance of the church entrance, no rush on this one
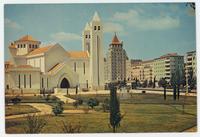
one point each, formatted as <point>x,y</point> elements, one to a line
<point>64,83</point>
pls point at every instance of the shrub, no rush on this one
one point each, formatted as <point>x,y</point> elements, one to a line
<point>58,109</point>
<point>92,102</point>
<point>71,128</point>
<point>75,104</point>
<point>80,101</point>
<point>16,100</point>
<point>106,105</point>
<point>34,124</point>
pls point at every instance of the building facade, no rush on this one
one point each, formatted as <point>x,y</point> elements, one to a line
<point>116,61</point>
<point>33,67</point>
<point>167,65</point>
<point>191,64</point>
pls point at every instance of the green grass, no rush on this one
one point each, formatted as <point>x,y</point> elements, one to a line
<point>138,118</point>
<point>151,114</point>
<point>19,109</point>
<point>140,98</point>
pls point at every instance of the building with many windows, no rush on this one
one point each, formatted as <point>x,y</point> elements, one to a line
<point>191,64</point>
<point>166,65</point>
<point>116,61</point>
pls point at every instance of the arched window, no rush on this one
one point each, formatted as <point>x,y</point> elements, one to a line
<point>19,81</point>
<point>30,80</point>
<point>98,27</point>
<point>74,66</point>
<point>95,27</point>
<point>24,81</point>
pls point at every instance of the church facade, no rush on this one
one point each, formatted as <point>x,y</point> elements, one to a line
<point>34,67</point>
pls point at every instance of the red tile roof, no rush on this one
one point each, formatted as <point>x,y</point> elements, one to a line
<point>78,54</point>
<point>40,50</point>
<point>115,40</point>
<point>26,38</point>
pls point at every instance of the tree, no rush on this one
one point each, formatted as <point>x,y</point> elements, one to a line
<point>192,5</point>
<point>144,85</point>
<point>150,84</point>
<point>58,109</point>
<point>92,102</point>
<point>154,82</point>
<point>163,83</point>
<point>173,84</point>
<point>115,116</point>
<point>34,124</point>
<point>78,102</point>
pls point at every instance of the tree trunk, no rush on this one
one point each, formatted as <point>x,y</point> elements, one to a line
<point>114,129</point>
<point>164,93</point>
<point>178,90</point>
<point>174,92</point>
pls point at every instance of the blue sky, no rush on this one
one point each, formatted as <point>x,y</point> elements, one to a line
<point>147,30</point>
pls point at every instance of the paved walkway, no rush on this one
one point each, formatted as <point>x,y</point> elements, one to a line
<point>43,108</point>
<point>63,98</point>
<point>193,129</point>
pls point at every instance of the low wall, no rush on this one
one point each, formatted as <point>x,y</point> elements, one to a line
<point>22,91</point>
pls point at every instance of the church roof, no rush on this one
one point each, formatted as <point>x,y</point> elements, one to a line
<point>115,40</point>
<point>96,17</point>
<point>55,68</point>
<point>26,38</point>
<point>78,54</point>
<point>40,50</point>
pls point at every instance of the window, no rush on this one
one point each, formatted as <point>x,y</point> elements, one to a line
<point>24,81</point>
<point>42,83</point>
<point>24,46</point>
<point>47,82</point>
<point>83,67</point>
<point>18,46</point>
<point>30,80</point>
<point>74,66</point>
<point>32,46</point>
<point>98,27</point>
<point>89,36</point>
<point>29,45</point>
<point>85,36</point>
<point>95,27</point>
<point>19,81</point>
<point>21,45</point>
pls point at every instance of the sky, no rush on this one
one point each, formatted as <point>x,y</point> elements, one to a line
<point>147,30</point>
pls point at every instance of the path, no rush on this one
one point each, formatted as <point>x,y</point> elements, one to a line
<point>63,98</point>
<point>192,129</point>
<point>43,108</point>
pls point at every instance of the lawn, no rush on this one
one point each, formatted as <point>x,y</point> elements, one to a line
<point>19,109</point>
<point>138,118</point>
<point>136,98</point>
<point>145,116</point>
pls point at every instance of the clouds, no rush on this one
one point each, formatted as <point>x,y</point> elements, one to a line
<point>139,19</point>
<point>12,24</point>
<point>64,37</point>
<point>113,27</point>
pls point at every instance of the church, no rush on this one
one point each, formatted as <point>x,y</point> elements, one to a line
<point>34,67</point>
